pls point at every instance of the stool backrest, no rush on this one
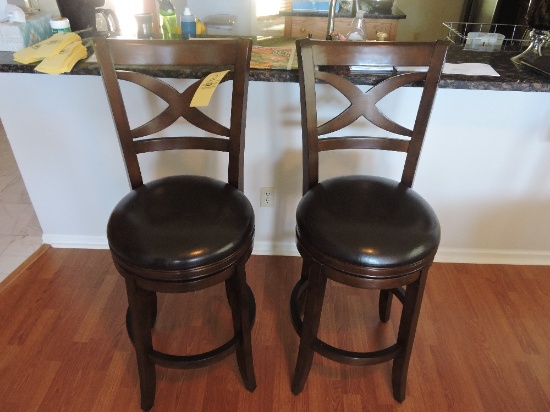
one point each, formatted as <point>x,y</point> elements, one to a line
<point>137,61</point>
<point>330,61</point>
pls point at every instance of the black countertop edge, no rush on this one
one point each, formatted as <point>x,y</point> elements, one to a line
<point>395,13</point>
<point>512,77</point>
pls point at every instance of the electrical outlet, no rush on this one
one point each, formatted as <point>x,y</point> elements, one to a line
<point>267,196</point>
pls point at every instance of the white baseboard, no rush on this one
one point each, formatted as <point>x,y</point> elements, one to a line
<point>445,255</point>
<point>100,242</point>
<point>493,256</point>
<point>75,241</point>
<point>275,248</point>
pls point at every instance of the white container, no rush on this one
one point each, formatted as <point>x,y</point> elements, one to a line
<point>479,41</point>
<point>357,29</point>
<point>60,25</point>
<point>188,25</point>
<point>220,24</point>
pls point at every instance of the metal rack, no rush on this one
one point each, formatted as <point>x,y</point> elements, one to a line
<point>516,37</point>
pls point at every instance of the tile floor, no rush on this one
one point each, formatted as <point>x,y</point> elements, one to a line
<point>20,232</point>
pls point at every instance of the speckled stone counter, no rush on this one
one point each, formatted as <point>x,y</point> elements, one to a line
<point>512,77</point>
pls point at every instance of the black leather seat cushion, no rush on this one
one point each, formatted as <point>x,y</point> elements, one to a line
<point>367,221</point>
<point>180,222</point>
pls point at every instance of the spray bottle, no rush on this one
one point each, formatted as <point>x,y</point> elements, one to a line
<point>188,24</point>
<point>168,20</point>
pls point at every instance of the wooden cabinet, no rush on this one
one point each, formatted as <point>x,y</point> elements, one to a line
<point>302,26</point>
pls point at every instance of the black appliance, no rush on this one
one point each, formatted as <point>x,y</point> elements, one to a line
<point>82,15</point>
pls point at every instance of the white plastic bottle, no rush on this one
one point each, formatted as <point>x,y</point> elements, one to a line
<point>357,28</point>
<point>60,25</point>
<point>188,25</point>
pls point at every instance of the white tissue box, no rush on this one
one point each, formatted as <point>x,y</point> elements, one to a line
<point>17,36</point>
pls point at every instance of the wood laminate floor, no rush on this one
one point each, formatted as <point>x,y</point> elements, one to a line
<point>483,342</point>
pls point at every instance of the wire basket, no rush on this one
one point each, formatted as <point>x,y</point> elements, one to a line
<point>516,36</point>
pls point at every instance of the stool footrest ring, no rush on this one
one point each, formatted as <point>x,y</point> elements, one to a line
<point>201,359</point>
<point>194,361</point>
<point>331,352</point>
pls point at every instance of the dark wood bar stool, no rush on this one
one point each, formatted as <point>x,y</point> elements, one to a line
<point>180,233</point>
<point>363,231</point>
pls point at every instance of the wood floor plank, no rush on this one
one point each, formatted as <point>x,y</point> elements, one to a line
<point>482,344</point>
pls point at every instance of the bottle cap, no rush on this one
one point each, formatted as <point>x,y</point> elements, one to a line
<point>187,12</point>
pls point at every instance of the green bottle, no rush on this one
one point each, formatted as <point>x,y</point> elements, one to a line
<point>168,20</point>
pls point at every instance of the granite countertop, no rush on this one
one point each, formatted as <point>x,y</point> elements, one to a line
<point>512,77</point>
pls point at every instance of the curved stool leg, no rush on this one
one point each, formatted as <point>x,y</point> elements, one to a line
<point>310,326</point>
<point>140,318</point>
<point>405,336</point>
<point>303,277</point>
<point>384,304</point>
<point>152,304</point>
<point>237,294</point>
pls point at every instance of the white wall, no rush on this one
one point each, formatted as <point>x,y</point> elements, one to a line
<point>49,6</point>
<point>424,20</point>
<point>484,167</point>
<point>202,8</point>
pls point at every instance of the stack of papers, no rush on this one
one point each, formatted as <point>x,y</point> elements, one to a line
<point>58,54</point>
<point>273,58</point>
<point>470,69</point>
<point>467,69</point>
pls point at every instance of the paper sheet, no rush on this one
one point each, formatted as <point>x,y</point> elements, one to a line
<point>469,69</point>
<point>207,88</point>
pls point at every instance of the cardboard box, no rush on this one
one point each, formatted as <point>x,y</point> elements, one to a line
<point>17,36</point>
